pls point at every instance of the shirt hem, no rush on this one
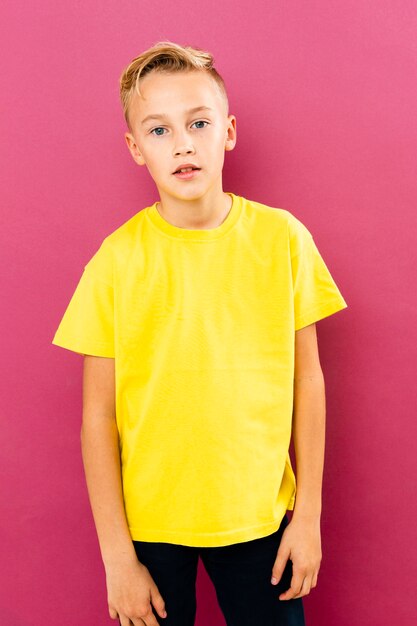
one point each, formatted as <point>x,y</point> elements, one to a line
<point>92,350</point>
<point>320,312</point>
<point>201,540</point>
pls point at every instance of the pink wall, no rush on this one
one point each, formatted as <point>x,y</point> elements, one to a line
<point>325,98</point>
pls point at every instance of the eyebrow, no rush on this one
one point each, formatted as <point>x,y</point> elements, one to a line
<point>156,116</point>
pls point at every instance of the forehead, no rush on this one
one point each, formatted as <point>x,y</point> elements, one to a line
<point>173,94</point>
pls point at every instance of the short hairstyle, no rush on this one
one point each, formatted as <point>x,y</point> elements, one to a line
<point>170,57</point>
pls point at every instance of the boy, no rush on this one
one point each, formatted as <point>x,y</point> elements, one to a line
<point>196,319</point>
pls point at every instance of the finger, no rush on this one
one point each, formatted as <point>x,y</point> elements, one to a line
<point>146,620</point>
<point>305,588</point>
<point>279,566</point>
<point>295,588</point>
<point>158,601</point>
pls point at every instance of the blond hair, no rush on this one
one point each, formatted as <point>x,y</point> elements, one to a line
<point>166,56</point>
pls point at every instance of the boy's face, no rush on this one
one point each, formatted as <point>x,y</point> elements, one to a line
<point>181,136</point>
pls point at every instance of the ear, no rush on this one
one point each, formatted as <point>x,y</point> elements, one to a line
<point>134,149</point>
<point>231,133</point>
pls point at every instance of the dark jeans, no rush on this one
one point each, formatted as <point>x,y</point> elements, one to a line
<point>241,575</point>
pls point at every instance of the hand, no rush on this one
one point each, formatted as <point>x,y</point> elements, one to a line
<point>130,591</point>
<point>300,542</point>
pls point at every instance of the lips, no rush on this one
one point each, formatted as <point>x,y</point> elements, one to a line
<point>188,174</point>
<point>186,166</point>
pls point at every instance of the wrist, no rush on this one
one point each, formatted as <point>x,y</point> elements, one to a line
<point>306,516</point>
<point>119,558</point>
<point>307,512</point>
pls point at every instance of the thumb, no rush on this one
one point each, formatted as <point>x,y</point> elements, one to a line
<point>158,601</point>
<point>279,565</point>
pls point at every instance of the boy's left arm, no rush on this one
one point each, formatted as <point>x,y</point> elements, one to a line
<point>301,540</point>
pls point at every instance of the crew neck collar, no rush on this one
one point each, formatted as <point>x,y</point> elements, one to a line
<point>207,234</point>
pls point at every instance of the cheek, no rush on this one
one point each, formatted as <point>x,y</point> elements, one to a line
<point>153,161</point>
<point>220,141</point>
<point>153,169</point>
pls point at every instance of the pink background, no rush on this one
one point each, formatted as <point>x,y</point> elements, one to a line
<point>325,99</point>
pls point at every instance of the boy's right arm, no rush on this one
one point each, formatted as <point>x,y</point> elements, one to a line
<point>131,589</point>
<point>101,458</point>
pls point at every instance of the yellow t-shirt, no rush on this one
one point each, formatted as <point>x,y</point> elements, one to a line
<point>201,326</point>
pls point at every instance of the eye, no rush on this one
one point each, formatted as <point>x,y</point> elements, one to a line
<point>157,128</point>
<point>201,122</point>
<point>152,132</point>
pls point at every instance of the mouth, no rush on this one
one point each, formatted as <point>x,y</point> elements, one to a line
<point>185,169</point>
<point>186,173</point>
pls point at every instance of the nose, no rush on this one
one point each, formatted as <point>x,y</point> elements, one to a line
<point>183,145</point>
<point>185,149</point>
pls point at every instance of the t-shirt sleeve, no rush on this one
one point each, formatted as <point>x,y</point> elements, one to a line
<point>316,294</point>
<point>87,326</point>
